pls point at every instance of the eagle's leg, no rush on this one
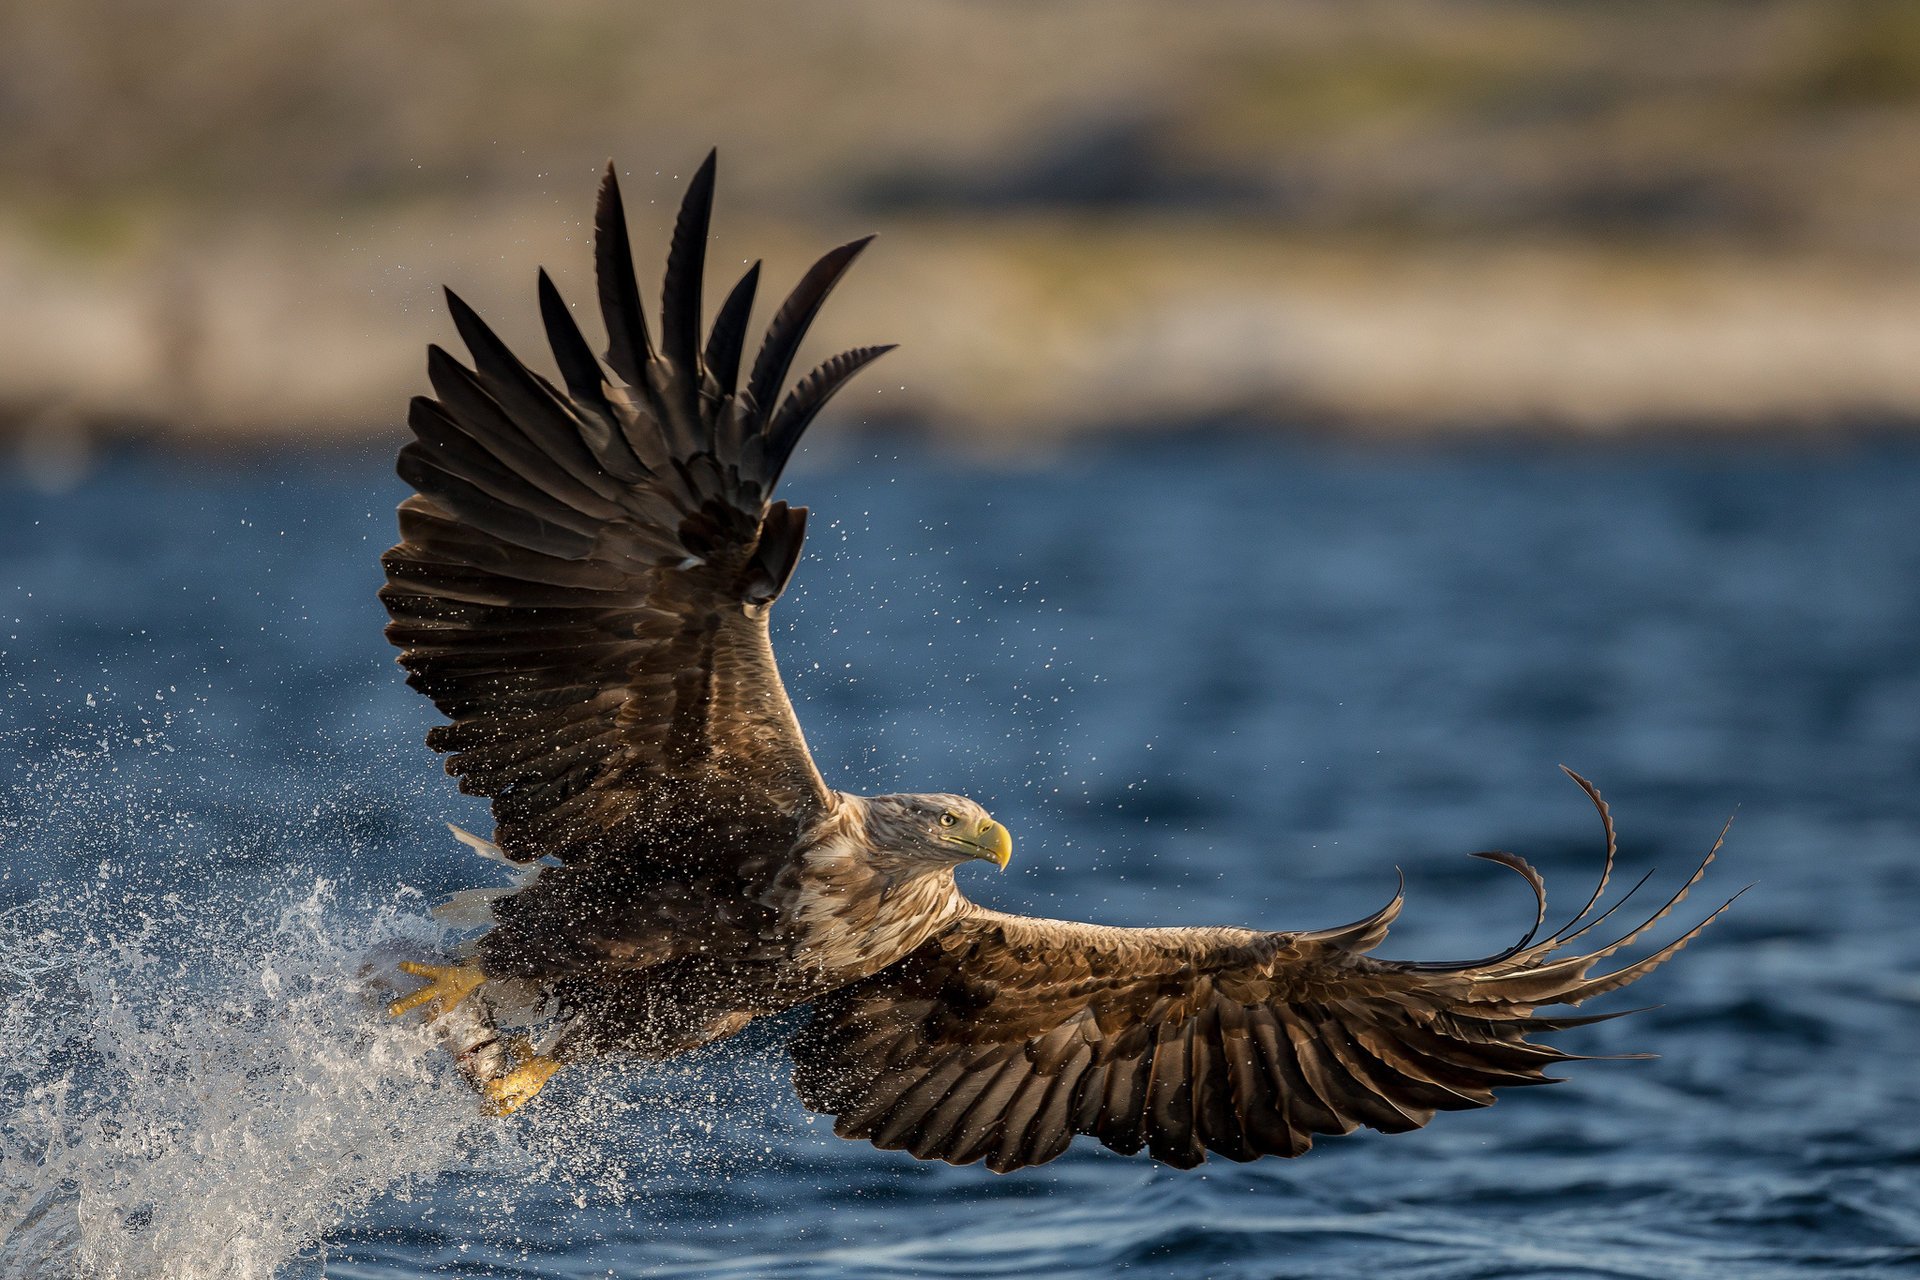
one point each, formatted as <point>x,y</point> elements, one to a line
<point>447,987</point>
<point>526,1072</point>
<point>506,1072</point>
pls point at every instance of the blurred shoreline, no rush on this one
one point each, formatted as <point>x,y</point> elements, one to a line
<point>1011,330</point>
<point>224,227</point>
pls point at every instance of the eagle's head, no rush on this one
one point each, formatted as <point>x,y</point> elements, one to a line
<point>940,830</point>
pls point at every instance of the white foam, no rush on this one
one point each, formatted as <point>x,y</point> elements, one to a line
<point>203,1091</point>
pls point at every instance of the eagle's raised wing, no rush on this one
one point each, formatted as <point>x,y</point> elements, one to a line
<point>585,574</point>
<point>1003,1037</point>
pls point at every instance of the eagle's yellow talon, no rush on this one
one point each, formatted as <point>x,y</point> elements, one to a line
<point>447,986</point>
<point>508,1093</point>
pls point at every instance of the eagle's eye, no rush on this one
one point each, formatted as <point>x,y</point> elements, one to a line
<point>947,819</point>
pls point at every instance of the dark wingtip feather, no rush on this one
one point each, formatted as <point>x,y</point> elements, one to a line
<point>628,346</point>
<point>790,323</point>
<point>1679,896</point>
<point>578,367</point>
<point>729,335</point>
<point>490,355</point>
<point>464,316</point>
<point>686,261</point>
<point>1368,932</point>
<point>1564,939</point>
<point>1606,867</point>
<point>1570,1021</point>
<point>1525,870</point>
<point>1588,988</point>
<point>806,401</point>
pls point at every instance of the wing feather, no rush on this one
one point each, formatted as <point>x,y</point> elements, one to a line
<point>791,321</point>
<point>584,573</point>
<point>1021,1033</point>
<point>680,296</point>
<point>629,348</point>
<point>729,335</point>
<point>586,383</point>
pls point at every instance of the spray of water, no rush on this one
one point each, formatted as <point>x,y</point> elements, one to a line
<point>201,1091</point>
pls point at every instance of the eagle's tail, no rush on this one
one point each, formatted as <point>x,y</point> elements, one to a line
<point>473,908</point>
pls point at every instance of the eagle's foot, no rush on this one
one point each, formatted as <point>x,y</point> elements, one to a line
<point>447,986</point>
<point>527,1073</point>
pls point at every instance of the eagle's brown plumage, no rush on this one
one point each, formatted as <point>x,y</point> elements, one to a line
<point>1003,1037</point>
<point>583,588</point>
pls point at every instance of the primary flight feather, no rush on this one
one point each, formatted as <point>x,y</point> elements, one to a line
<point>583,587</point>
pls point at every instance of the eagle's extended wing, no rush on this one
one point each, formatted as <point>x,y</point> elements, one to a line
<point>1005,1036</point>
<point>585,574</point>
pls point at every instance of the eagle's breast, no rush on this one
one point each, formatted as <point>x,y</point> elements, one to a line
<point>851,910</point>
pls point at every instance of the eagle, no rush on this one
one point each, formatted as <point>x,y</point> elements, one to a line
<point>582,587</point>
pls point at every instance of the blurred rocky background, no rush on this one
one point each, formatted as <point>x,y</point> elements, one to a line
<point>226,222</point>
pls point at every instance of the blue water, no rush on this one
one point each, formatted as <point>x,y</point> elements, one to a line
<point>1215,680</point>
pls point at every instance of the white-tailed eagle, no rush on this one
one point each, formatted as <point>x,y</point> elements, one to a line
<point>583,588</point>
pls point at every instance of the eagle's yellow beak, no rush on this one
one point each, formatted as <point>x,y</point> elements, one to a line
<point>992,842</point>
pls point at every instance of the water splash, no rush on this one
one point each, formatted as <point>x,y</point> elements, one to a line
<point>201,1091</point>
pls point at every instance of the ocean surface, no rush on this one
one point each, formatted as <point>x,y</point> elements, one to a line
<point>1204,680</point>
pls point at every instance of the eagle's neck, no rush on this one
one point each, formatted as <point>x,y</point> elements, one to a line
<point>853,909</point>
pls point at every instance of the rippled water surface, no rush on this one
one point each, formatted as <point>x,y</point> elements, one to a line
<point>1209,681</point>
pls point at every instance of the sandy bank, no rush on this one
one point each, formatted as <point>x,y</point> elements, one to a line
<point>1008,327</point>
